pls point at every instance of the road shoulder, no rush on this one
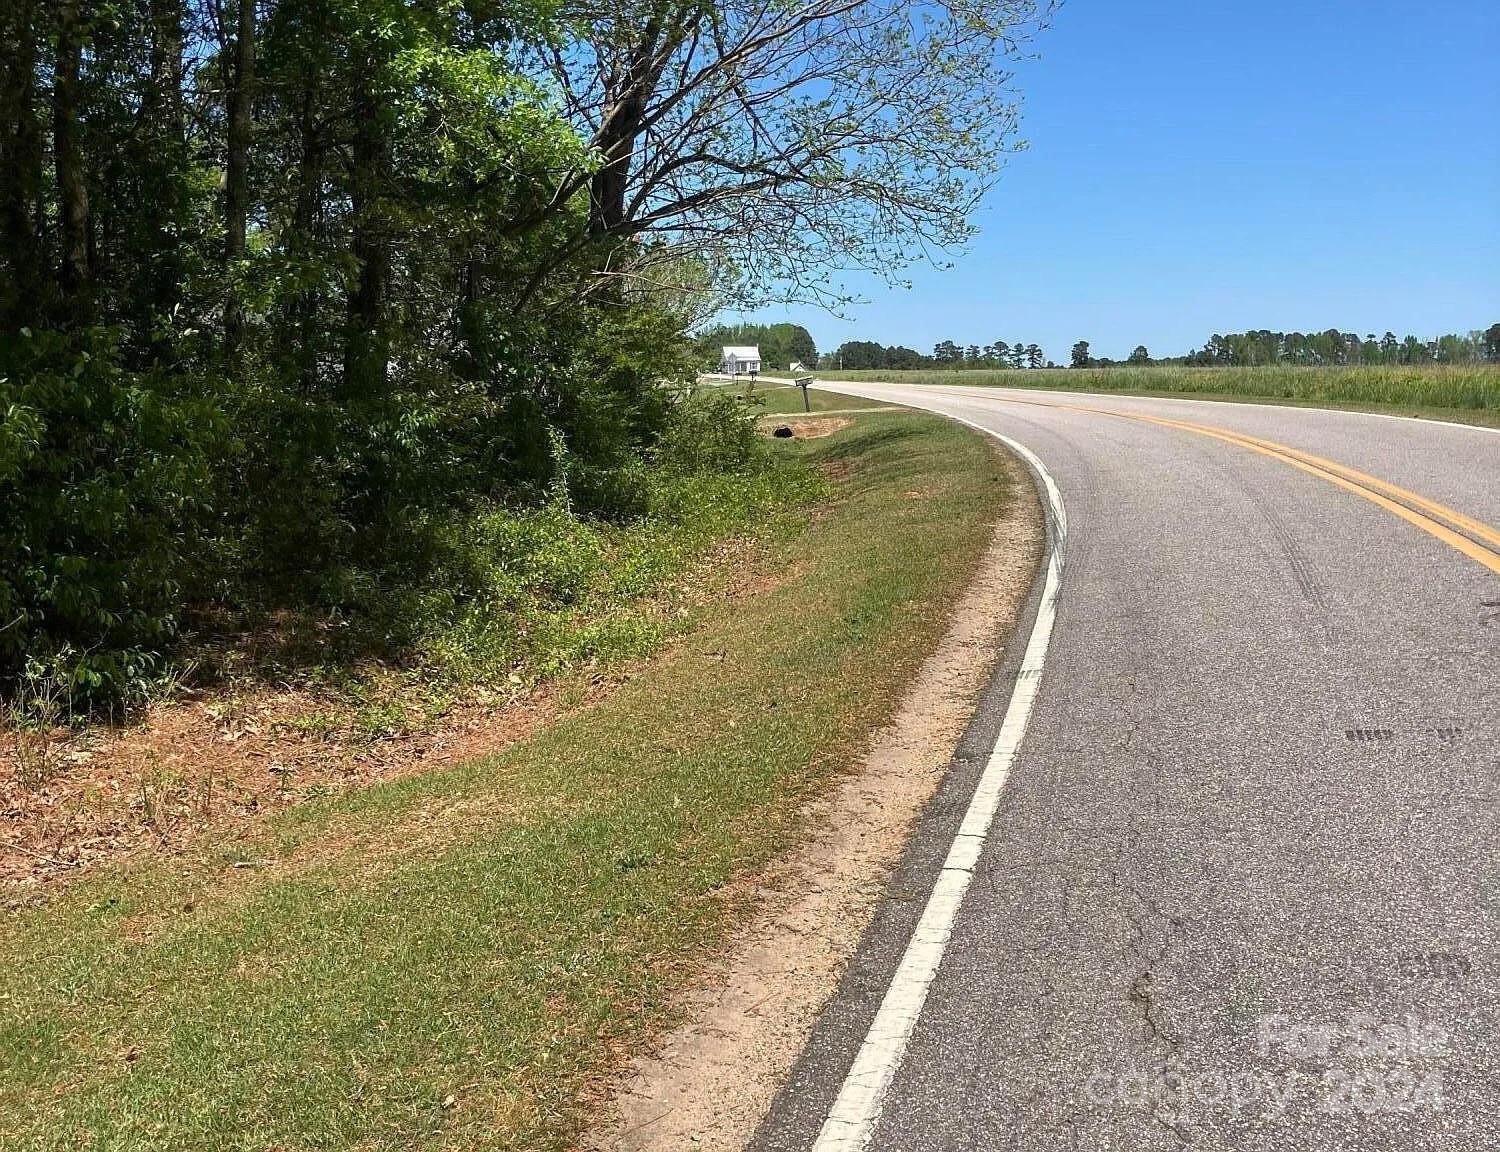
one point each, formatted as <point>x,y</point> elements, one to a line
<point>710,1082</point>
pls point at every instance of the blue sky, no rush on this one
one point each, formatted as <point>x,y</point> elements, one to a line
<point>1213,166</point>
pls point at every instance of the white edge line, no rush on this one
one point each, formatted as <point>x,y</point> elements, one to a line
<point>852,1119</point>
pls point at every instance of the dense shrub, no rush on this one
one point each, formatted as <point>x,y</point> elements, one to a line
<point>710,431</point>
<point>128,494</point>
<point>321,339</point>
<point>107,500</point>
<point>542,588</point>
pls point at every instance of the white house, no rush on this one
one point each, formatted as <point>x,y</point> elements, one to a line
<point>740,359</point>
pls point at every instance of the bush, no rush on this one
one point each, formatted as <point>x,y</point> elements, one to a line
<point>710,431</point>
<point>107,488</point>
<point>538,589</point>
<point>512,487</point>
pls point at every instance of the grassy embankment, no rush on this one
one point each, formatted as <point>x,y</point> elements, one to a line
<point>786,399</point>
<point>450,960</point>
<point>1466,393</point>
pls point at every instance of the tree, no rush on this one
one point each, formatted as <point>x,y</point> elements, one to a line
<point>1033,356</point>
<point>240,90</point>
<point>21,164</point>
<point>800,346</point>
<point>780,345</point>
<point>781,140</point>
<point>857,355</point>
<point>1140,356</point>
<point>350,198</point>
<point>947,352</point>
<point>68,161</point>
<point>159,165</point>
<point>1454,349</point>
<point>1492,342</point>
<point>1081,355</point>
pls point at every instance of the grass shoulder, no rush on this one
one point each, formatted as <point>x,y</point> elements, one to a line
<point>452,958</point>
<point>774,399</point>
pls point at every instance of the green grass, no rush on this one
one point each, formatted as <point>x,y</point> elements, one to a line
<point>555,591</point>
<point>450,960</point>
<point>1467,393</point>
<point>786,399</point>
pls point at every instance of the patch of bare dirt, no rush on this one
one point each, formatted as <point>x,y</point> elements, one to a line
<point>206,766</point>
<point>806,427</point>
<point>712,1080</point>
<point>72,799</point>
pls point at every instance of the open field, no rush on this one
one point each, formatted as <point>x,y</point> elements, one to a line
<point>1468,393</point>
<point>453,959</point>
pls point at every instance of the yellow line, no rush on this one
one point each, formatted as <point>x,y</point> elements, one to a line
<point>1457,519</point>
<point>1398,501</point>
<point>1432,527</point>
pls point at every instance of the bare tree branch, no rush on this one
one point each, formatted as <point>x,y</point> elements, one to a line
<point>806,137</point>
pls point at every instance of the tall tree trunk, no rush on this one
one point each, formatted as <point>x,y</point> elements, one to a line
<point>72,189</point>
<point>366,352</point>
<point>163,103</point>
<point>621,127</point>
<point>237,178</point>
<point>305,228</point>
<point>611,182</point>
<point>163,168</point>
<point>20,168</point>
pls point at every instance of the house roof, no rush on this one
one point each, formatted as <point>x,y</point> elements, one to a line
<point>742,351</point>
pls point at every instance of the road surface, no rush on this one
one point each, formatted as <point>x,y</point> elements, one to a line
<point>1241,884</point>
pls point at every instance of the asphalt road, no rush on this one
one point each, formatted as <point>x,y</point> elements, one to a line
<point>1242,886</point>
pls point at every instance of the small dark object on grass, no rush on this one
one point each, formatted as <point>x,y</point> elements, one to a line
<point>782,432</point>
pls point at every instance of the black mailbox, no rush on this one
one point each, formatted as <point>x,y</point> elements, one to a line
<point>804,382</point>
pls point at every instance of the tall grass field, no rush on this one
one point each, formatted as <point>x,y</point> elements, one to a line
<point>1472,388</point>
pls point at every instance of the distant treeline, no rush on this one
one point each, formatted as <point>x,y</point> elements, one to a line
<point>781,345</point>
<point>1334,347</point>
<point>857,355</point>
<point>1238,349</point>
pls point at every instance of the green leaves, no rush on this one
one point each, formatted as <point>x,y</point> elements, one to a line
<point>105,479</point>
<point>342,274</point>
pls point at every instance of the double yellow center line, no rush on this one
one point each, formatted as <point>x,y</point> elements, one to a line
<point>1474,538</point>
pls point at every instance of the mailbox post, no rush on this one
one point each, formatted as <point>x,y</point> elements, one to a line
<point>805,382</point>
